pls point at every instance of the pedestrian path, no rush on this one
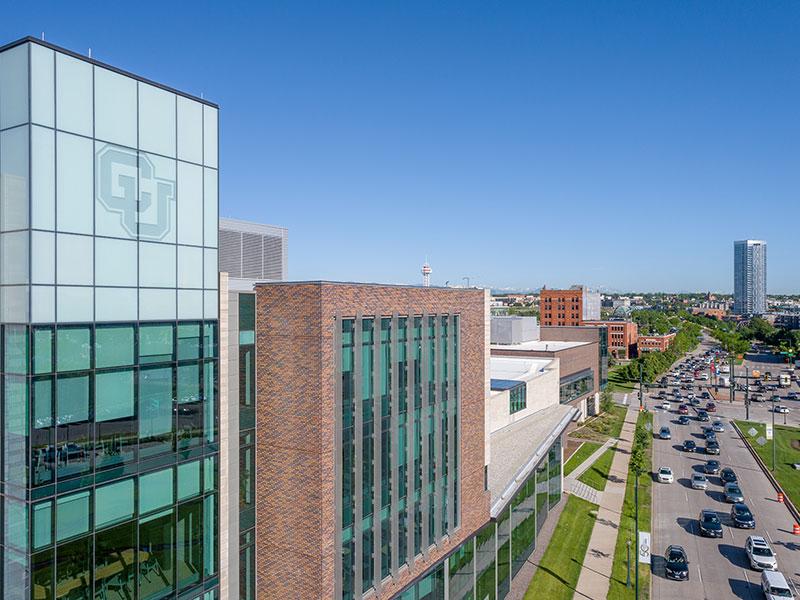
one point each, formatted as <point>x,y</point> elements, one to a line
<point>594,580</point>
<point>584,466</point>
<point>585,492</point>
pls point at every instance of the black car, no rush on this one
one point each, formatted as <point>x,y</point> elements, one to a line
<point>712,447</point>
<point>742,517</point>
<point>683,420</point>
<point>711,467</point>
<point>677,566</point>
<point>705,396</point>
<point>702,415</point>
<point>728,476</point>
<point>710,525</point>
<point>689,446</point>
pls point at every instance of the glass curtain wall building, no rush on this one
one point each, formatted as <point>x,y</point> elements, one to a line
<point>108,333</point>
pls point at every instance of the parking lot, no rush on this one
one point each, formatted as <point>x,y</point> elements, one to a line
<point>718,568</point>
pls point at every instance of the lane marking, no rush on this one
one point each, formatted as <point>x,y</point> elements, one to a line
<point>699,574</point>
<point>687,497</point>
<point>731,530</point>
<point>771,543</point>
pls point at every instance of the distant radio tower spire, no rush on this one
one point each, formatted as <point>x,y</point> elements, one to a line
<point>426,274</point>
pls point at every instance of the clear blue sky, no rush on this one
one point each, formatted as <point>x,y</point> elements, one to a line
<point>617,144</point>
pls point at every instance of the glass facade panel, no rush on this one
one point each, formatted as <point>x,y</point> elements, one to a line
<point>74,348</point>
<point>43,258</point>
<point>116,211</point>
<point>14,91</point>
<point>156,120</point>
<point>157,266</point>
<point>159,486</point>
<point>157,304</point>
<point>190,267</point>
<point>73,568</point>
<point>116,262</point>
<point>114,503</point>
<point>14,181</point>
<point>75,259</point>
<point>73,515</point>
<point>115,107</point>
<point>75,304</point>
<point>210,136</point>
<point>74,183</point>
<point>114,346</point>
<point>576,385</point>
<point>42,85</point>
<point>190,204</point>
<point>14,258</point>
<point>210,208</point>
<point>43,456</point>
<point>74,104</point>
<point>115,565</point>
<point>116,304</point>
<point>156,424</point>
<point>156,343</point>
<point>115,417</point>
<point>157,555</point>
<point>73,425</point>
<point>43,164</point>
<point>190,131</point>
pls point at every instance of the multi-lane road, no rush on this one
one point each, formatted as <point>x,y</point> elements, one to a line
<point>718,568</point>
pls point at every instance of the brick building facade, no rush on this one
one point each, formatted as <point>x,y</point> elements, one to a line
<point>305,453</point>
<point>568,308</point>
<point>623,337</point>
<point>657,343</point>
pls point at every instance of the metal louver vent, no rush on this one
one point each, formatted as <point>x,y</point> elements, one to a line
<point>252,251</point>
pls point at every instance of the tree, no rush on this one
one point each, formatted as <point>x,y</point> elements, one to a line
<point>606,400</point>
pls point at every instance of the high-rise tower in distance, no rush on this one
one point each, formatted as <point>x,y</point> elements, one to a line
<point>749,277</point>
<point>426,274</point>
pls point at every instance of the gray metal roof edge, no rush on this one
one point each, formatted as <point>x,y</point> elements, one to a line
<point>103,65</point>
<point>509,491</point>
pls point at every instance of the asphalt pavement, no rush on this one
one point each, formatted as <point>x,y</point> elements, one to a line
<point>718,568</point>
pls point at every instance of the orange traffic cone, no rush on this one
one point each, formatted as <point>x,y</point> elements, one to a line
<point>780,497</point>
<point>796,529</point>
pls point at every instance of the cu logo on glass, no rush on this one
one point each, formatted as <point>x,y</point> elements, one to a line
<point>146,217</point>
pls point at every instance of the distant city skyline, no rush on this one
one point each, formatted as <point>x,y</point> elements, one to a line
<point>622,146</point>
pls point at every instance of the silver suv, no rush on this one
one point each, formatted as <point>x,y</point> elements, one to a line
<point>760,554</point>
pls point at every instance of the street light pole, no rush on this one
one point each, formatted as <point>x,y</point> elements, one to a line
<point>773,433</point>
<point>636,497</point>
<point>733,379</point>
<point>747,392</point>
<point>640,386</point>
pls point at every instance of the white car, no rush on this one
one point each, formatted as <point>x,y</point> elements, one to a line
<point>665,475</point>
<point>781,409</point>
<point>760,554</point>
<point>719,426</point>
<point>699,482</point>
<point>666,405</point>
<point>704,376</point>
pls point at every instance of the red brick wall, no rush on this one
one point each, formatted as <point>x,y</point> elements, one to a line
<point>550,313</point>
<point>295,454</point>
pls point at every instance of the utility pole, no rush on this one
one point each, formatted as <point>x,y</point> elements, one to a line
<point>640,388</point>
<point>774,437</point>
<point>636,496</point>
<point>747,392</point>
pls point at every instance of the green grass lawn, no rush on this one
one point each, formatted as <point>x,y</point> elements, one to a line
<point>580,455</point>
<point>596,476</point>
<point>560,568</point>
<point>617,384</point>
<point>599,429</point>
<point>627,530</point>
<point>785,455</point>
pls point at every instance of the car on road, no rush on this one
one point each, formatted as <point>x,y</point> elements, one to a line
<point>719,426</point>
<point>705,396</point>
<point>676,392</point>
<point>781,409</point>
<point>699,481</point>
<point>683,409</point>
<point>662,395</point>
<point>712,446</point>
<point>733,493</point>
<point>666,405</point>
<point>742,517</point>
<point>691,396</point>
<point>760,554</point>
<point>677,565</point>
<point>711,407</point>
<point>704,376</point>
<point>710,525</point>
<point>665,434</point>
<point>683,420</point>
<point>689,446</point>
<point>665,475</point>
<point>695,401</point>
<point>702,415</point>
<point>774,586</point>
<point>728,475</point>
<point>793,396</point>
<point>711,467</point>
<point>756,398</point>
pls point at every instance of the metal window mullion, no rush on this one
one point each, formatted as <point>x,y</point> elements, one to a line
<point>411,440</point>
<point>358,463</point>
<point>451,419</point>
<point>395,445</point>
<point>338,449</point>
<point>437,430</point>
<point>424,422</point>
<point>377,453</point>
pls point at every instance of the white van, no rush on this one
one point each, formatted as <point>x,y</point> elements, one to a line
<point>774,586</point>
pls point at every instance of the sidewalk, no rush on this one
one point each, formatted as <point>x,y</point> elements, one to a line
<point>580,489</point>
<point>596,570</point>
